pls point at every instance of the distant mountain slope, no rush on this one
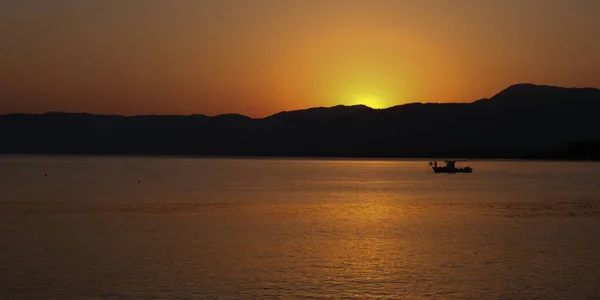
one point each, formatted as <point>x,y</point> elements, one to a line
<point>521,121</point>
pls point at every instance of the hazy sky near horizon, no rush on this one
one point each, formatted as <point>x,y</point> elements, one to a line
<point>259,57</point>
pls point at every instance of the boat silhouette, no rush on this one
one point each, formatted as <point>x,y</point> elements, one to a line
<point>450,167</point>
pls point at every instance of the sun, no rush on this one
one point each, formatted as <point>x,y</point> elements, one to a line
<point>375,95</point>
<point>369,100</point>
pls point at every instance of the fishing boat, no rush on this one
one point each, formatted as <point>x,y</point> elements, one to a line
<point>450,167</point>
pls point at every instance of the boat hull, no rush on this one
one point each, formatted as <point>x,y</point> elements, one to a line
<point>452,170</point>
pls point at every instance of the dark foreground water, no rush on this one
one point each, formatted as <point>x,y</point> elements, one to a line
<point>273,229</point>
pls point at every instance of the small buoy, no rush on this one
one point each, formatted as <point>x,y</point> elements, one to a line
<point>45,175</point>
<point>139,181</point>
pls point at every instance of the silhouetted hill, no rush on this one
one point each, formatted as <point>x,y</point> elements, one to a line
<point>320,112</point>
<point>523,120</point>
<point>529,95</point>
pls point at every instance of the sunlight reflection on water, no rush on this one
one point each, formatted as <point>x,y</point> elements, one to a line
<point>261,229</point>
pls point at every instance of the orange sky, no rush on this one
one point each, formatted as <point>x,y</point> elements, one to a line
<point>259,57</point>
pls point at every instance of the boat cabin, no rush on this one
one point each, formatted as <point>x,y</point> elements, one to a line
<point>450,163</point>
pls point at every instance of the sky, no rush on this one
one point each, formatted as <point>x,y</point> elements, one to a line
<point>260,57</point>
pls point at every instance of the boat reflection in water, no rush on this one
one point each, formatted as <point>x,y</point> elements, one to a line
<point>450,167</point>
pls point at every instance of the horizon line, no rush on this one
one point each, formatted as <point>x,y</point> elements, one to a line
<point>289,111</point>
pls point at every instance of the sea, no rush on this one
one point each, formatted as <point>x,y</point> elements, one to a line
<point>86,227</point>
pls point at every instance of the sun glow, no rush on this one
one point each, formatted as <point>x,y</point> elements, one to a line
<point>370,96</point>
<point>368,100</point>
<point>376,93</point>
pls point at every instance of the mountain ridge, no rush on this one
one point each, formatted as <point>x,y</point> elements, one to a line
<point>512,89</point>
<point>520,121</point>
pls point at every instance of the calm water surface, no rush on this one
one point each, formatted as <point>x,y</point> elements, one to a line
<point>178,228</point>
